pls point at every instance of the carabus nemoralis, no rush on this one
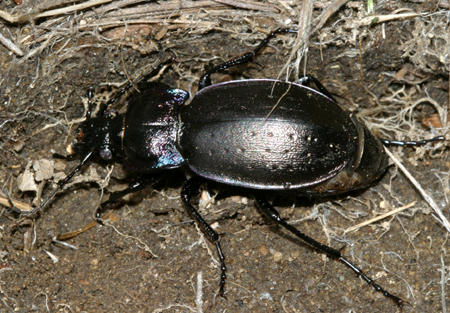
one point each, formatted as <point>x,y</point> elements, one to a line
<point>259,134</point>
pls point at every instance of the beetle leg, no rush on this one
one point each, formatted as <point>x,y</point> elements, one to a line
<point>270,211</point>
<point>190,189</point>
<point>388,142</point>
<point>60,184</point>
<point>135,186</point>
<point>205,80</point>
<point>308,79</point>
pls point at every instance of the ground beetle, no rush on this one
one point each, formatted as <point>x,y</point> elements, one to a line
<point>260,134</point>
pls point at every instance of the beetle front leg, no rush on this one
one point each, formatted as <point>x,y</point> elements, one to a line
<point>135,186</point>
<point>191,189</point>
<point>270,211</point>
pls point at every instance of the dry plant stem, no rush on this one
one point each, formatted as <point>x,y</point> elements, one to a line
<point>72,234</point>
<point>175,305</point>
<point>199,293</point>
<point>300,45</point>
<point>305,17</point>
<point>380,217</point>
<point>376,19</point>
<point>10,45</point>
<point>167,8</point>
<point>116,5</point>
<point>25,207</point>
<point>249,5</point>
<point>441,217</point>
<point>327,13</point>
<point>18,19</point>
<point>72,8</point>
<point>443,283</point>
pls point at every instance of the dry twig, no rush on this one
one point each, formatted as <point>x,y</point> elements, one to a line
<point>23,206</point>
<point>10,45</point>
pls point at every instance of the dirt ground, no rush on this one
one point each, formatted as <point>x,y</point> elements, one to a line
<point>149,256</point>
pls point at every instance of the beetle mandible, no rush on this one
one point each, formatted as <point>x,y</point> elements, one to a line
<point>307,144</point>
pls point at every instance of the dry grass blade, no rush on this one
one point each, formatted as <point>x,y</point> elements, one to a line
<point>380,217</point>
<point>441,217</point>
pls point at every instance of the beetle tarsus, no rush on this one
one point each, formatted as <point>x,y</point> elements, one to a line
<point>115,196</point>
<point>422,142</point>
<point>370,281</point>
<point>191,189</point>
<point>270,211</point>
<point>223,269</point>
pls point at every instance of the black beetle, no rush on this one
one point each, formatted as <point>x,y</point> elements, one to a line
<point>259,134</point>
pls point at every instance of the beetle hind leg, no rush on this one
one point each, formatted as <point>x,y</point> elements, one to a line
<point>191,189</point>
<point>265,207</point>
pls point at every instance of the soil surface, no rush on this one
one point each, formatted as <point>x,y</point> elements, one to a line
<point>148,256</point>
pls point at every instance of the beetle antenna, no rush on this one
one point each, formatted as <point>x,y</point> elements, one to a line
<point>388,142</point>
<point>90,95</point>
<point>61,184</point>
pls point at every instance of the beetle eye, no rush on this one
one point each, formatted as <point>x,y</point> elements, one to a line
<point>105,154</point>
<point>80,135</point>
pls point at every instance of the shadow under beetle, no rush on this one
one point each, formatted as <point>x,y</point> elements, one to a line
<point>307,143</point>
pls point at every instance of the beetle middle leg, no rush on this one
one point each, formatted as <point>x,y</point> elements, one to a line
<point>205,80</point>
<point>265,207</point>
<point>308,79</point>
<point>191,189</point>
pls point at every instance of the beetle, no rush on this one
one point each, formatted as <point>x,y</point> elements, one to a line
<point>258,134</point>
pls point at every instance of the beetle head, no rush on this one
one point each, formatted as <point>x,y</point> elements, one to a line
<point>98,134</point>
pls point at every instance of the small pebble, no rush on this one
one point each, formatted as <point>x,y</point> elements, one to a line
<point>277,256</point>
<point>263,250</point>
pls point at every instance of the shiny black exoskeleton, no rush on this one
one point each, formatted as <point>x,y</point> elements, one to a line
<point>259,134</point>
